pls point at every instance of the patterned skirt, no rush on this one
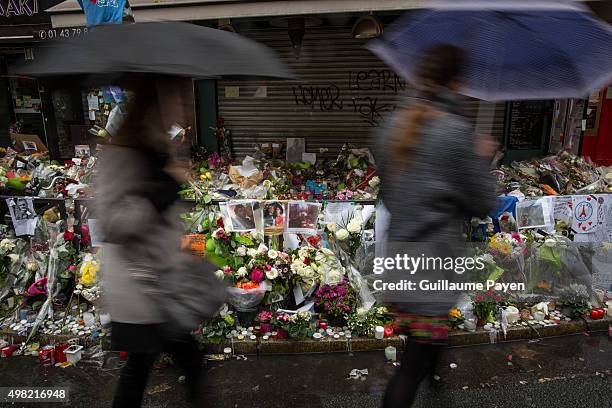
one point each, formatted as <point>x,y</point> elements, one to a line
<point>422,329</point>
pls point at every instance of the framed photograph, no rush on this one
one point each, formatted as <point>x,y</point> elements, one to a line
<point>241,214</point>
<point>274,215</point>
<point>535,214</point>
<point>302,216</point>
<point>82,151</point>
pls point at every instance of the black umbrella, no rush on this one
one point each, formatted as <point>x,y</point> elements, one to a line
<point>168,48</point>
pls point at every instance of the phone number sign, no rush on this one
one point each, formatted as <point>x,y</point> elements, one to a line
<point>57,33</point>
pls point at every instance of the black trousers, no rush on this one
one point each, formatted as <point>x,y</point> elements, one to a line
<point>418,362</point>
<point>135,373</point>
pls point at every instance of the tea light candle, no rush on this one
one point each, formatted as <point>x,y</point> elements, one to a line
<point>379,332</point>
<point>234,332</point>
<point>250,328</point>
<point>227,353</point>
<point>265,337</point>
<point>241,337</point>
<point>391,353</point>
<point>336,336</point>
<point>253,337</point>
<point>317,336</point>
<point>329,331</point>
<point>348,335</point>
<point>244,332</point>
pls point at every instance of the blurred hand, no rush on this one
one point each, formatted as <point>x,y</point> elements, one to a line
<point>178,170</point>
<point>486,146</point>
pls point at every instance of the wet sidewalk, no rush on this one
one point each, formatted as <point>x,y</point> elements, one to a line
<point>558,372</point>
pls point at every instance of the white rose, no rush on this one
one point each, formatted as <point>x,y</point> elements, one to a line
<point>267,184</point>
<point>331,226</point>
<point>354,226</point>
<point>361,311</point>
<point>550,242</point>
<point>242,272</point>
<point>262,249</point>
<point>303,252</point>
<point>6,245</point>
<point>242,250</point>
<point>272,274</point>
<point>307,272</point>
<point>14,258</point>
<point>252,252</point>
<point>272,254</point>
<point>374,181</point>
<point>342,234</point>
<point>219,274</point>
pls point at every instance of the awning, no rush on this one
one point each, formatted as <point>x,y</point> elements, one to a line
<point>69,14</point>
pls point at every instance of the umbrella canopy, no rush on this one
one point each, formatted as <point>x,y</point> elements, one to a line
<point>515,49</point>
<point>168,48</point>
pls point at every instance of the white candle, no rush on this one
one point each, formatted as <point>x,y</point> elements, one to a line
<point>379,332</point>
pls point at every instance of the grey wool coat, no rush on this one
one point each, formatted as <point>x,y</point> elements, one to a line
<point>134,233</point>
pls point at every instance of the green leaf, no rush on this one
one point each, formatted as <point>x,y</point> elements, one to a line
<point>244,240</point>
<point>495,273</point>
<point>207,199</point>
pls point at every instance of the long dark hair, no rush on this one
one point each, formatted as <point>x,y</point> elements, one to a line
<point>438,68</point>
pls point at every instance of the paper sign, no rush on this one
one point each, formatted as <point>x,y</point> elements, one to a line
<point>585,211</point>
<point>302,217</point>
<point>94,233</point>
<point>27,101</point>
<point>23,215</point>
<point>261,92</point>
<point>563,209</point>
<point>93,103</point>
<point>295,149</point>
<point>298,294</point>
<point>309,157</point>
<point>20,138</point>
<point>232,91</point>
<point>338,213</point>
<point>92,115</point>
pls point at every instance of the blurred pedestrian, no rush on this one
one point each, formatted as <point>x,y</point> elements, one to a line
<point>137,189</point>
<point>434,174</point>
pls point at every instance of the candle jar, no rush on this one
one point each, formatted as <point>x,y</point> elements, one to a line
<point>323,324</point>
<point>391,353</point>
<point>379,332</point>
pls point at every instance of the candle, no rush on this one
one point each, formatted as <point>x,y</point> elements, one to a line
<point>391,353</point>
<point>323,324</point>
<point>317,336</point>
<point>227,353</point>
<point>253,337</point>
<point>379,332</point>
<point>241,337</point>
<point>336,336</point>
<point>265,337</point>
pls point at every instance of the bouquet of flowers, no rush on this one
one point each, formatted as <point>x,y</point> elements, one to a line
<point>296,325</point>
<point>504,245</point>
<point>336,300</point>
<point>310,266</point>
<point>364,321</point>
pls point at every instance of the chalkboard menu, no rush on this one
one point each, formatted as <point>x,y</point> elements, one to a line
<point>527,124</point>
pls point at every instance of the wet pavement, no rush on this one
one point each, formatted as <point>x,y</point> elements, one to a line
<point>571,371</point>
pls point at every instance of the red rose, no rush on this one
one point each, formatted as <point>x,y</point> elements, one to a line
<point>68,236</point>
<point>306,261</point>
<point>220,223</point>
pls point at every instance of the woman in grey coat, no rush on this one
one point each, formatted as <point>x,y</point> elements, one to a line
<point>136,197</point>
<point>434,174</point>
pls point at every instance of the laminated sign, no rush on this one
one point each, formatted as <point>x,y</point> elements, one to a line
<point>585,213</point>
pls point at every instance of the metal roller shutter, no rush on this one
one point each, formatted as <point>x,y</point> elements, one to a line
<point>343,94</point>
